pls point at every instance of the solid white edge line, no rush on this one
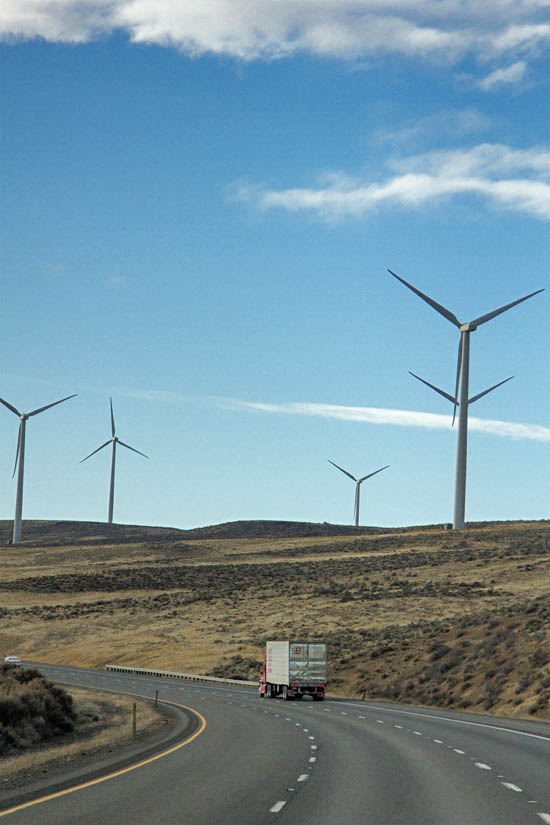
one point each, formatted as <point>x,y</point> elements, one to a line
<point>544,817</point>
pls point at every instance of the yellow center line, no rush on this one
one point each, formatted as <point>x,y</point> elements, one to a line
<point>122,770</point>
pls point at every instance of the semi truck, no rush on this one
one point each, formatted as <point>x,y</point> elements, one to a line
<point>294,670</point>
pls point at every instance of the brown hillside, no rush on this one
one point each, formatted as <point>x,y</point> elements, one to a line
<point>426,615</point>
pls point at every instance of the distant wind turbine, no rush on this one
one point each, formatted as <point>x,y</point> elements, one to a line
<point>460,398</point>
<point>358,482</point>
<point>114,440</point>
<point>20,459</point>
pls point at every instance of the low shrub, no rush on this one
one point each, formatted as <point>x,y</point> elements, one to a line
<point>32,709</point>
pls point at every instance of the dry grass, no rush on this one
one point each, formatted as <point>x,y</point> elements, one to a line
<point>103,721</point>
<point>199,602</point>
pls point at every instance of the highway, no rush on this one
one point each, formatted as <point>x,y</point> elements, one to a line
<point>337,762</point>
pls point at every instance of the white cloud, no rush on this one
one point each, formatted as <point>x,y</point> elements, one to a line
<point>513,179</point>
<point>399,418</point>
<point>250,29</point>
<point>503,77</point>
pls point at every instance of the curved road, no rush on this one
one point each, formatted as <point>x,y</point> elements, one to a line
<point>338,762</point>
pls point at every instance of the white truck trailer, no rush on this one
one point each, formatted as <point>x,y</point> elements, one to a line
<point>294,670</point>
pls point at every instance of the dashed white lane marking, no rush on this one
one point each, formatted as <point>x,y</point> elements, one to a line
<point>277,807</point>
<point>313,747</point>
<point>545,818</point>
<point>512,787</point>
<point>439,742</point>
<point>483,766</point>
<point>380,722</point>
<point>456,750</point>
<point>452,721</point>
<point>343,713</point>
<point>303,777</point>
<point>306,730</point>
<point>313,759</point>
<point>311,737</point>
<point>400,727</point>
<point>417,733</point>
<point>361,717</point>
<point>298,724</point>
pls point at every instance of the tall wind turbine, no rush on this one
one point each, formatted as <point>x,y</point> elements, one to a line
<point>114,440</point>
<point>460,398</point>
<point>358,482</point>
<point>20,460</point>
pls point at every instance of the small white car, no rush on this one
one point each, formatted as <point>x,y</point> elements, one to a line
<point>13,660</point>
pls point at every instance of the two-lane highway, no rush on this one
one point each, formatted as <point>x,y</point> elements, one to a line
<point>301,763</point>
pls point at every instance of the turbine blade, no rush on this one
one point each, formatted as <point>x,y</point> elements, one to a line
<point>481,394</point>
<point>131,448</point>
<point>112,418</point>
<point>433,387</point>
<point>95,451</point>
<point>10,407</point>
<point>484,318</point>
<point>47,407</point>
<point>458,366</point>
<point>373,474</point>
<point>441,309</point>
<point>17,451</point>
<point>342,470</point>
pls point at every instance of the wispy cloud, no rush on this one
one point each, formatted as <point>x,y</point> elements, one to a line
<point>503,77</point>
<point>446,30</point>
<point>399,418</point>
<point>446,124</point>
<point>512,179</point>
<point>116,281</point>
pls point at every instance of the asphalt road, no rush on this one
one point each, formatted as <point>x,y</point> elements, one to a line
<point>263,761</point>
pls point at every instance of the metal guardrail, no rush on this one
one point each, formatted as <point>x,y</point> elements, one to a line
<point>192,677</point>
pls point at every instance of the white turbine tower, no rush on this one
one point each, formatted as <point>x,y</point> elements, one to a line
<point>114,440</point>
<point>460,398</point>
<point>358,482</point>
<point>20,459</point>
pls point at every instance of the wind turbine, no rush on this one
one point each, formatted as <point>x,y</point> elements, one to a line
<point>114,440</point>
<point>460,398</point>
<point>20,460</point>
<point>358,482</point>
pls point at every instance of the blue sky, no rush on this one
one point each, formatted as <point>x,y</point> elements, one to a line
<point>199,206</point>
